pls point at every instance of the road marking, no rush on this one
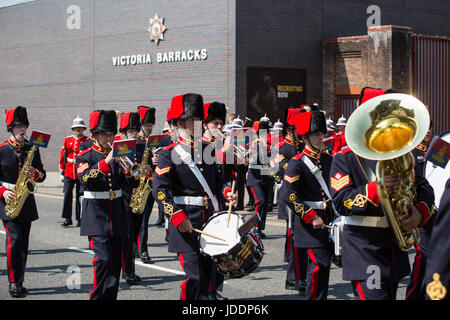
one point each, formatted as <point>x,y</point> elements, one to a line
<point>151,266</point>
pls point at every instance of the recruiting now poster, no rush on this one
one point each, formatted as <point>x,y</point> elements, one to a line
<point>270,91</point>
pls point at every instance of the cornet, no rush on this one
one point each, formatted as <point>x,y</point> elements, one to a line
<point>135,169</point>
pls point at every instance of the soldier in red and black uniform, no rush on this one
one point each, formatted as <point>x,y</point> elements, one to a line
<point>130,124</point>
<point>371,257</point>
<point>147,115</point>
<point>304,190</point>
<point>104,218</point>
<point>69,152</point>
<point>258,176</point>
<point>185,198</point>
<point>13,153</point>
<point>295,257</point>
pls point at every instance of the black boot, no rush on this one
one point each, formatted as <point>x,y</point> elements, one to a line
<point>145,258</point>
<point>67,222</point>
<point>16,290</point>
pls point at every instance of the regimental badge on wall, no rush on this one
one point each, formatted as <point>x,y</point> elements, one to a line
<point>157,29</point>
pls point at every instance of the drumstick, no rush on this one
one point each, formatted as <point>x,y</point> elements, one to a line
<point>209,235</point>
<point>230,206</point>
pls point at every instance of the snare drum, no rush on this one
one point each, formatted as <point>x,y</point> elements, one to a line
<point>239,255</point>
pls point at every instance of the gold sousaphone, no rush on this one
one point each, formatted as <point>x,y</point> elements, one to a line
<point>386,128</point>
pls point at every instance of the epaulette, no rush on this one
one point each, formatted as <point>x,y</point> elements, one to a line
<point>346,150</point>
<point>3,143</point>
<point>171,145</point>
<point>298,156</point>
<point>84,151</point>
<point>281,144</point>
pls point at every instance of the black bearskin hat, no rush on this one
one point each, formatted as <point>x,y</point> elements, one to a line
<point>310,121</point>
<point>16,117</point>
<point>214,110</point>
<point>103,121</point>
<point>130,120</point>
<point>147,114</point>
<point>186,106</point>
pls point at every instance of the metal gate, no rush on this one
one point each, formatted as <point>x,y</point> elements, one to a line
<point>431,78</point>
<point>346,105</point>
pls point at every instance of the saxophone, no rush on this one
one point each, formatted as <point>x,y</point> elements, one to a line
<point>24,186</point>
<point>142,191</point>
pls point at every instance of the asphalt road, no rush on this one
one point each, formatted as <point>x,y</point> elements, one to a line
<point>60,267</point>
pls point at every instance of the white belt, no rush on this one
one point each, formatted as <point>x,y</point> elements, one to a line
<point>317,205</point>
<point>190,201</point>
<point>101,194</point>
<point>70,160</point>
<point>7,185</point>
<point>257,166</point>
<point>364,221</point>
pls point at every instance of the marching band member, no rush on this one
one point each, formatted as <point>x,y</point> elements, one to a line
<point>13,153</point>
<point>415,291</point>
<point>188,194</point>
<point>437,271</point>
<point>240,169</point>
<point>304,190</point>
<point>295,257</point>
<point>371,258</point>
<point>147,122</point>
<point>104,219</point>
<point>339,142</point>
<point>130,124</point>
<point>69,151</point>
<point>213,120</point>
<point>258,178</point>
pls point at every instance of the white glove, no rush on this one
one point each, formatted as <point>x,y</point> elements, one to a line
<point>62,178</point>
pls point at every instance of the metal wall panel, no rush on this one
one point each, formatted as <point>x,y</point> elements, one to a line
<point>431,78</point>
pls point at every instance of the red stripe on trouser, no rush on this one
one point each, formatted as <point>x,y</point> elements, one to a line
<point>94,262</point>
<point>418,261</point>
<point>360,291</point>
<point>9,257</point>
<point>123,260</point>
<point>297,263</point>
<point>183,285</point>
<point>139,243</point>
<point>255,199</point>
<point>288,243</point>
<point>315,272</point>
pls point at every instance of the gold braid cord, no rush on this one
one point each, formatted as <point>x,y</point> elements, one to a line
<point>92,174</point>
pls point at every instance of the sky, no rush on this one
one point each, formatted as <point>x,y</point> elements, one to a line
<point>5,3</point>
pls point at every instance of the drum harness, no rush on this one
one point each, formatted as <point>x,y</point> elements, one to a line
<point>186,158</point>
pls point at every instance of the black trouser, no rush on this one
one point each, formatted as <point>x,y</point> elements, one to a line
<point>318,274</point>
<point>107,262</point>
<point>143,233</point>
<point>261,194</point>
<point>17,239</point>
<point>240,184</point>
<point>197,268</point>
<point>296,258</point>
<point>68,198</point>
<point>129,243</point>
<point>385,290</point>
<point>216,282</point>
<point>415,291</point>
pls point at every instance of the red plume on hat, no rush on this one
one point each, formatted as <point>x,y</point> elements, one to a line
<point>291,115</point>
<point>368,93</point>
<point>213,111</point>
<point>147,114</point>
<point>130,120</point>
<point>16,117</point>
<point>103,121</point>
<point>186,106</point>
<point>310,121</point>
